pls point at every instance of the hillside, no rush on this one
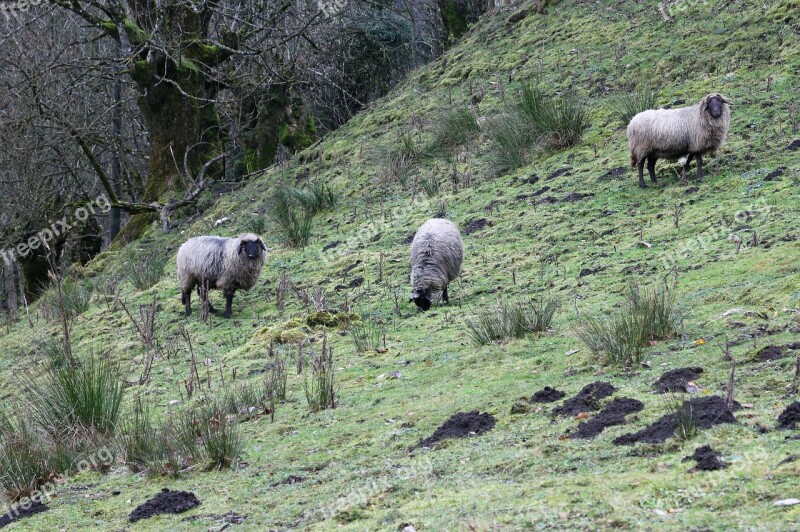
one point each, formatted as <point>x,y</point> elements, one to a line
<point>570,223</point>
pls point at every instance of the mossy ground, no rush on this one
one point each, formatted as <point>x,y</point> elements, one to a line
<point>359,473</point>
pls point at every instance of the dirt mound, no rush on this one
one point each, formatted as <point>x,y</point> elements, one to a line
<point>585,400</point>
<point>166,502</point>
<point>771,352</point>
<point>613,173</point>
<point>789,417</point>
<point>475,225</point>
<point>291,479</point>
<point>707,459</point>
<point>16,513</point>
<point>613,414</point>
<point>461,425</point>
<point>705,411</point>
<point>675,380</point>
<point>547,395</point>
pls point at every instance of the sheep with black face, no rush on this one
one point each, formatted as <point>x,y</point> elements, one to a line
<point>228,264</point>
<point>436,256</point>
<point>671,134</point>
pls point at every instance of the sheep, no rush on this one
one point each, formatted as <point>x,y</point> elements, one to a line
<point>675,133</point>
<point>436,256</point>
<point>216,262</point>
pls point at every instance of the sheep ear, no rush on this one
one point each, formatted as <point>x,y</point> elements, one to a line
<point>241,247</point>
<point>428,294</point>
<point>725,100</point>
<point>704,104</point>
<point>260,243</point>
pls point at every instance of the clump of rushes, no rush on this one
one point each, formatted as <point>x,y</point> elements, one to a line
<point>647,315</point>
<point>512,320</point>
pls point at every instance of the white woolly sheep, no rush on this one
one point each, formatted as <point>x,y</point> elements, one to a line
<point>675,133</point>
<point>436,256</point>
<point>229,264</point>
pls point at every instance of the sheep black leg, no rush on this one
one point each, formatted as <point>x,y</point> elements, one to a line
<point>445,297</point>
<point>699,166</point>
<point>228,303</point>
<point>186,299</point>
<point>641,173</point>
<point>651,168</point>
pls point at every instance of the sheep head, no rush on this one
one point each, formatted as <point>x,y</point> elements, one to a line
<point>714,104</point>
<point>250,244</point>
<point>422,298</point>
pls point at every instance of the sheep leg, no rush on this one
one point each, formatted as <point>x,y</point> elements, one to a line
<point>699,166</point>
<point>685,167</point>
<point>651,167</point>
<point>445,297</point>
<point>186,299</point>
<point>641,173</point>
<point>228,303</point>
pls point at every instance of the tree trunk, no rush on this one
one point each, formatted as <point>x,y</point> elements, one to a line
<point>183,127</point>
<point>116,174</point>
<point>9,282</point>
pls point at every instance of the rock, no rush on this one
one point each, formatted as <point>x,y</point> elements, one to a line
<point>786,502</point>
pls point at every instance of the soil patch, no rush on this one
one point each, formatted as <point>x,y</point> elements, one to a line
<point>562,171</point>
<point>331,245</point>
<point>585,400</point>
<point>547,395</point>
<point>613,414</point>
<point>775,173</point>
<point>475,225</point>
<point>291,479</point>
<point>166,502</point>
<point>11,516</point>
<point>705,411</point>
<point>577,196</point>
<point>613,173</point>
<point>590,271</point>
<point>789,417</point>
<point>675,380</point>
<point>707,459</point>
<point>461,425</point>
<point>771,352</point>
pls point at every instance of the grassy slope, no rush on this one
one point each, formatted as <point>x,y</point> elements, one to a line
<point>359,471</point>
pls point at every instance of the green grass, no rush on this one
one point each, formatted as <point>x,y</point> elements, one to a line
<point>144,269</point>
<point>359,473</point>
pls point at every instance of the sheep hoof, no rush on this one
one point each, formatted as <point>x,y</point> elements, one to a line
<point>226,314</point>
<point>187,312</point>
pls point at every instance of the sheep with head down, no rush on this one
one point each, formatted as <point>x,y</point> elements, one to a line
<point>436,255</point>
<point>671,134</point>
<point>228,264</point>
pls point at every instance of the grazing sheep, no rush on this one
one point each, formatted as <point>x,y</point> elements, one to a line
<point>436,255</point>
<point>674,133</point>
<point>229,264</point>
